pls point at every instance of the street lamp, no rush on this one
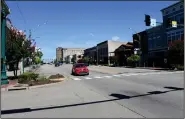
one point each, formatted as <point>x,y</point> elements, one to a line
<point>4,12</point>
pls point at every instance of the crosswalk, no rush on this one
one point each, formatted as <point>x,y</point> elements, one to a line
<point>120,75</point>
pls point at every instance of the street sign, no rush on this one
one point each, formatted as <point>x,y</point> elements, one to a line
<point>174,24</point>
<point>153,22</point>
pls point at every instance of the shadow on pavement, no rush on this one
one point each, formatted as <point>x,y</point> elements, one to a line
<point>118,97</point>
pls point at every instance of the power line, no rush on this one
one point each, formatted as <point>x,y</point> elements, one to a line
<point>21,12</point>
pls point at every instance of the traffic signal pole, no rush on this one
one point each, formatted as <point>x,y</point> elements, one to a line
<point>4,12</point>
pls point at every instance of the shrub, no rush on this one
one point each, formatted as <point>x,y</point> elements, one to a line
<point>180,67</point>
<point>56,76</point>
<point>133,59</point>
<point>27,76</point>
<point>42,78</point>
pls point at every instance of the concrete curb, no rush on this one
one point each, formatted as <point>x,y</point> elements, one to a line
<point>30,87</point>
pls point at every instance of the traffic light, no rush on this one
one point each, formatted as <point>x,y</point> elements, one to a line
<point>147,20</point>
<point>168,23</point>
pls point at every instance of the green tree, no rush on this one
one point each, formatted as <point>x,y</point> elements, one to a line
<point>176,52</point>
<point>86,59</point>
<point>17,47</point>
<point>133,60</point>
<point>37,60</point>
<point>73,60</point>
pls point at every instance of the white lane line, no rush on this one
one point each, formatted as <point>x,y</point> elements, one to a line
<point>77,79</point>
<point>125,74</point>
<point>108,76</point>
<point>133,74</point>
<point>116,75</point>
<point>88,78</point>
<point>98,77</point>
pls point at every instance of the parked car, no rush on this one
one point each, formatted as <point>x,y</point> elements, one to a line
<point>80,69</point>
<point>57,64</point>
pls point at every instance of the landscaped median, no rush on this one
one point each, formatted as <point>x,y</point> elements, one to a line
<point>30,79</point>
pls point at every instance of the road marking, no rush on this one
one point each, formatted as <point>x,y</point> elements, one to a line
<point>97,77</point>
<point>77,79</point>
<point>116,75</point>
<point>132,74</point>
<point>125,74</point>
<point>88,78</point>
<point>108,76</point>
<point>144,73</point>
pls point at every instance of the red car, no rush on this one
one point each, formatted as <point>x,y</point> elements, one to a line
<point>80,69</point>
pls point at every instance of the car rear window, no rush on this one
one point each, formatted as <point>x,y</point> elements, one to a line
<point>80,65</point>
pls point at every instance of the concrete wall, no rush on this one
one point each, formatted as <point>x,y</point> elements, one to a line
<point>113,45</point>
<point>72,51</point>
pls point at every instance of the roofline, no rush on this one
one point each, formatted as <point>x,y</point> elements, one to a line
<point>171,5</point>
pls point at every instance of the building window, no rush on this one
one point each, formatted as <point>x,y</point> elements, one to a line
<point>182,36</point>
<point>167,12</point>
<point>181,6</point>
<point>173,9</point>
<point>173,38</point>
<point>182,19</point>
<point>169,38</point>
<point>178,37</point>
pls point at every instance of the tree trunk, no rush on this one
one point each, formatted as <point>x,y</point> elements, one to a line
<point>16,68</point>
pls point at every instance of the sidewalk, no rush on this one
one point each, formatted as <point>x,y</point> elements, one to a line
<point>65,100</point>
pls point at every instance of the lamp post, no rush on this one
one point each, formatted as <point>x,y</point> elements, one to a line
<point>4,12</point>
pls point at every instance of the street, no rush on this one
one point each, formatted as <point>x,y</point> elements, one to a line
<point>152,94</point>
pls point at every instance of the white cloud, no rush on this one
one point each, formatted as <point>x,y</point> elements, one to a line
<point>115,38</point>
<point>91,34</point>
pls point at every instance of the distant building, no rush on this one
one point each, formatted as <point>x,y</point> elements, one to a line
<point>91,54</point>
<point>66,53</point>
<point>59,54</point>
<point>123,52</point>
<point>71,51</point>
<point>77,57</point>
<point>105,50</point>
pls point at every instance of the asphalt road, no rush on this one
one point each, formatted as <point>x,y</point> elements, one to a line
<point>147,94</point>
<point>150,94</point>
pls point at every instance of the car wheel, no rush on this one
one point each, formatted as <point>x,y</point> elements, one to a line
<point>88,74</point>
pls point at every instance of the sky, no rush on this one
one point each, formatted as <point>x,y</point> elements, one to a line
<point>82,24</point>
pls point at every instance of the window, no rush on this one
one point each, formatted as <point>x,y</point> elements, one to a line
<point>150,43</point>
<point>167,12</point>
<point>173,38</point>
<point>178,37</point>
<point>173,34</point>
<point>181,6</point>
<point>169,38</point>
<point>181,19</point>
<point>182,36</point>
<point>173,9</point>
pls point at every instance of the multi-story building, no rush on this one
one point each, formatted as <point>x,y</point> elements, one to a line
<point>106,49</point>
<point>71,52</point>
<point>59,54</point>
<point>91,54</point>
<point>65,53</point>
<point>123,52</point>
<point>77,57</point>
<point>174,12</point>
<point>157,46</point>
